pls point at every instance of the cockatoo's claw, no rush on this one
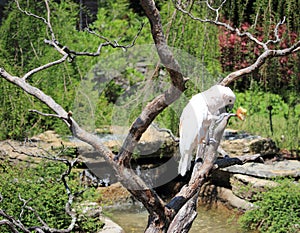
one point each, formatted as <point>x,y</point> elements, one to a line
<point>211,141</point>
<point>223,115</point>
<point>226,157</point>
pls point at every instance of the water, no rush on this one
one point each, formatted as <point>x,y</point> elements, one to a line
<point>134,220</point>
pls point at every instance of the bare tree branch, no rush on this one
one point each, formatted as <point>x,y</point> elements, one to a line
<point>43,67</point>
<point>217,22</point>
<point>64,50</point>
<point>157,105</point>
<point>45,21</point>
<point>30,14</point>
<point>276,32</point>
<point>267,54</point>
<point>13,224</point>
<point>259,62</point>
<point>8,223</point>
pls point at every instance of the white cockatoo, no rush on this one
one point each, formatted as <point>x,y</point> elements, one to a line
<point>196,119</point>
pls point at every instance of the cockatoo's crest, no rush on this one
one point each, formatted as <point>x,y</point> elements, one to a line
<point>218,97</point>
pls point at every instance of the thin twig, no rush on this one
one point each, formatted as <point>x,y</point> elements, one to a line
<point>43,67</point>
<point>277,40</point>
<point>230,28</point>
<point>23,206</point>
<point>47,114</point>
<point>72,214</point>
<point>30,14</point>
<point>107,42</point>
<point>12,222</point>
<point>175,139</point>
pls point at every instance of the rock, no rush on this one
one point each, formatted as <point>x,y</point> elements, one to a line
<point>238,147</point>
<point>287,168</point>
<point>110,226</point>
<point>227,196</point>
<point>264,146</point>
<point>90,209</point>
<point>246,187</point>
<point>115,195</point>
<point>211,193</point>
<point>153,143</point>
<point>48,137</point>
<point>41,145</point>
<point>93,210</point>
<point>15,151</point>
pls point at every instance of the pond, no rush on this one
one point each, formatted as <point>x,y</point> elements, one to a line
<point>217,220</point>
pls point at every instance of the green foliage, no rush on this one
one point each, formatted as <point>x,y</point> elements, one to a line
<point>285,117</point>
<point>278,75</point>
<point>88,224</point>
<point>257,102</point>
<point>21,51</point>
<point>39,185</point>
<point>42,187</point>
<point>199,40</point>
<point>22,48</point>
<point>276,210</point>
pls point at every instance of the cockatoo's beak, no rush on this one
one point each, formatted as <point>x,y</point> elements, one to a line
<point>228,108</point>
<point>241,113</point>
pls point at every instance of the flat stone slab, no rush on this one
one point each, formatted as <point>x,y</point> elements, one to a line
<point>278,168</point>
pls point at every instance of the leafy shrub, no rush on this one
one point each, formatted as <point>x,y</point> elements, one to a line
<point>258,101</point>
<point>276,211</point>
<point>285,117</point>
<point>42,188</point>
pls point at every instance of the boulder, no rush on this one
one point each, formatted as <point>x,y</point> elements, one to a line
<point>110,226</point>
<point>115,195</point>
<point>211,193</point>
<point>246,187</point>
<point>41,145</point>
<point>249,145</point>
<point>263,146</point>
<point>153,143</point>
<point>94,210</point>
<point>286,168</point>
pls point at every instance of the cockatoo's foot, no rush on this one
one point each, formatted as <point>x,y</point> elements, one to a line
<point>211,141</point>
<point>221,116</point>
<point>226,157</point>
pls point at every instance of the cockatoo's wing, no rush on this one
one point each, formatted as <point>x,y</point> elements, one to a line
<point>193,130</point>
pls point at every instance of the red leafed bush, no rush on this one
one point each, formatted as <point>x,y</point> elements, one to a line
<point>239,52</point>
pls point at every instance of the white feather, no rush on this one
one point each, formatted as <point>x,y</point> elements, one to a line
<point>195,121</point>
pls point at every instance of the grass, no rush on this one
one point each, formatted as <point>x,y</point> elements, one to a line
<point>286,132</point>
